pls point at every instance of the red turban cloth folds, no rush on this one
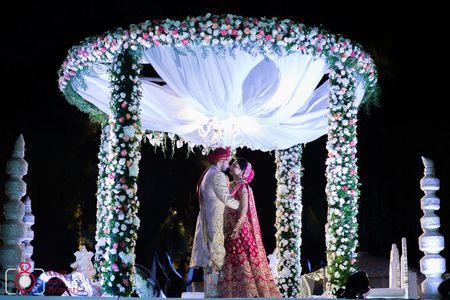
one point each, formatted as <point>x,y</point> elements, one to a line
<point>219,154</point>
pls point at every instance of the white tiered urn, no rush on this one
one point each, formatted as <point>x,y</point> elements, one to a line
<point>28,219</point>
<point>13,231</point>
<point>431,242</point>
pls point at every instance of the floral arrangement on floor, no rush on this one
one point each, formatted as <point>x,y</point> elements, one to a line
<point>121,221</point>
<point>288,221</point>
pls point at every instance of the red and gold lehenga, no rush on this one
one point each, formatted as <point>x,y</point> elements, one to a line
<point>246,272</point>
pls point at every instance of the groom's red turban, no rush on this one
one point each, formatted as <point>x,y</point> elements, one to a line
<point>219,154</point>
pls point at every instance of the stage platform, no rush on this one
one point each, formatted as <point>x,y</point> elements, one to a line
<point>5,297</point>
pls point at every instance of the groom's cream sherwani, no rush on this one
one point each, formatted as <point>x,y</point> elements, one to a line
<point>208,249</point>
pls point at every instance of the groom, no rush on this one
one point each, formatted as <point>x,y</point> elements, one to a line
<point>208,250</point>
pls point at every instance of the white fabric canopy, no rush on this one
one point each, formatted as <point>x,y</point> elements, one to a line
<point>262,103</point>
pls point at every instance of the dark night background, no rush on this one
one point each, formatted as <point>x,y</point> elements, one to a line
<point>62,145</point>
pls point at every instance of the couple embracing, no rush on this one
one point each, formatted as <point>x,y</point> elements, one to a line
<point>227,243</point>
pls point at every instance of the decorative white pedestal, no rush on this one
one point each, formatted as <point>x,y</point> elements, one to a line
<point>431,242</point>
<point>191,295</point>
<point>13,230</point>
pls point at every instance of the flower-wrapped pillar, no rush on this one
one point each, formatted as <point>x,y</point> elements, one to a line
<point>288,220</point>
<point>342,177</point>
<point>122,223</point>
<point>102,193</point>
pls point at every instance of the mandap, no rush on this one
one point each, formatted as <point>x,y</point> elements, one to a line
<point>261,83</point>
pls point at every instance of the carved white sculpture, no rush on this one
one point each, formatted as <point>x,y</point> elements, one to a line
<point>404,271</point>
<point>83,263</point>
<point>402,282</point>
<point>28,219</point>
<point>431,242</point>
<point>13,230</point>
<point>394,268</point>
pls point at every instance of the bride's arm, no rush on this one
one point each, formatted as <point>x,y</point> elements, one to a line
<point>243,211</point>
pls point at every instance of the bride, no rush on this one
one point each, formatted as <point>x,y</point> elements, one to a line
<point>246,272</point>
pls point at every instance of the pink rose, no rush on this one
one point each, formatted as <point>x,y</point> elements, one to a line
<point>124,104</point>
<point>175,31</point>
<point>115,246</point>
<point>353,54</point>
<point>124,152</point>
<point>121,120</point>
<point>128,116</point>
<point>318,49</point>
<point>185,42</point>
<point>352,172</point>
<point>122,180</point>
<point>112,176</point>
<point>124,187</point>
<point>344,188</point>
<point>122,244</point>
<point>103,49</point>
<point>126,138</point>
<point>234,32</point>
<point>268,37</point>
<point>125,282</point>
<point>157,42</point>
<point>223,32</point>
<point>115,267</point>
<point>145,35</point>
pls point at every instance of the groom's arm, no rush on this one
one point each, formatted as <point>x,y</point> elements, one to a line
<point>220,186</point>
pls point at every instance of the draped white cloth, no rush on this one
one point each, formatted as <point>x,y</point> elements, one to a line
<point>262,103</point>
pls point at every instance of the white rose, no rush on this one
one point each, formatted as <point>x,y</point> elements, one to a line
<point>136,221</point>
<point>129,130</point>
<point>134,170</point>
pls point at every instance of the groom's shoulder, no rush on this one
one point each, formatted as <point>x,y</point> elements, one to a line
<point>218,176</point>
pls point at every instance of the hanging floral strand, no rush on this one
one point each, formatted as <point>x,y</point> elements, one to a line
<point>102,193</point>
<point>288,220</point>
<point>122,222</point>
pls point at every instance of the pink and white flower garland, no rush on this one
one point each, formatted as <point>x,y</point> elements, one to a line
<point>122,222</point>
<point>221,35</point>
<point>342,178</point>
<point>102,198</point>
<point>288,221</point>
